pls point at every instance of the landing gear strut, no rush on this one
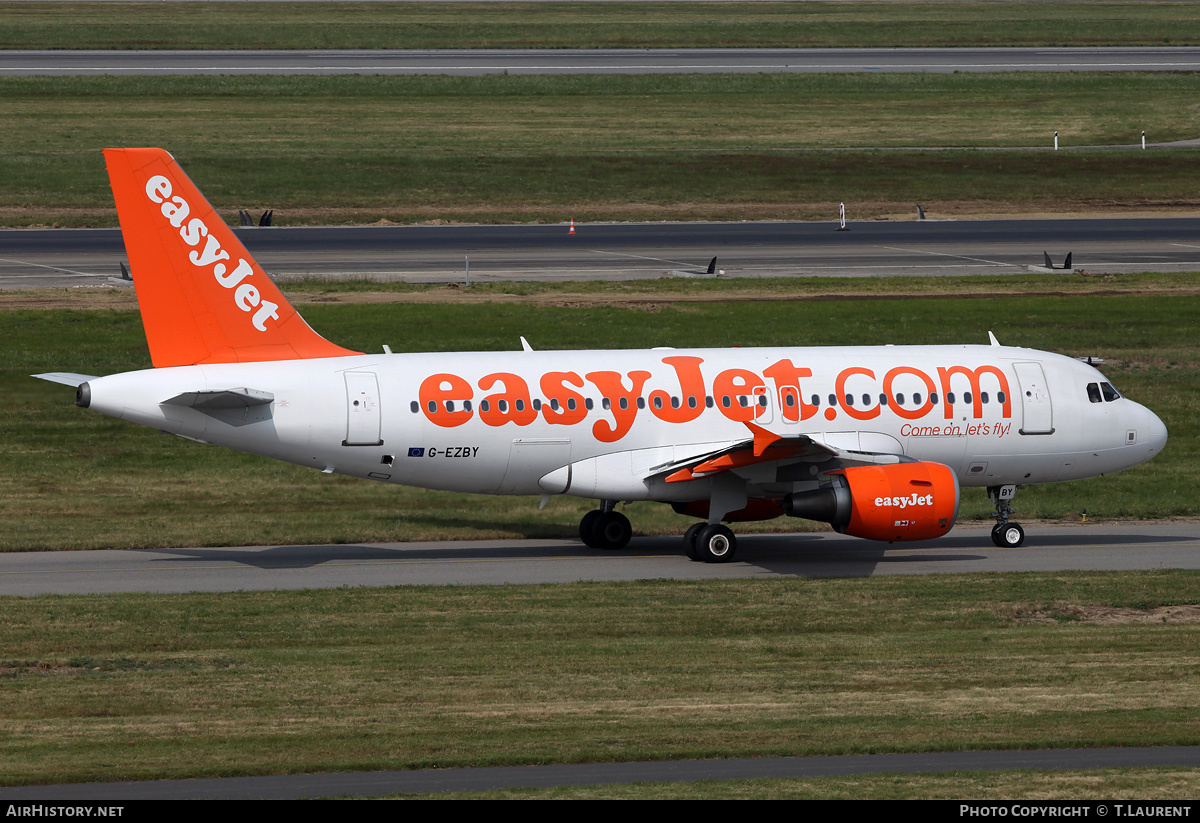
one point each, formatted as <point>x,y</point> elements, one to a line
<point>605,528</point>
<point>1005,534</point>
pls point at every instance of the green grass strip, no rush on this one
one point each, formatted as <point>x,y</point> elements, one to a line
<point>31,25</point>
<point>361,149</point>
<point>123,687</point>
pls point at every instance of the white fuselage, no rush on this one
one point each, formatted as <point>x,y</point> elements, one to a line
<point>598,423</point>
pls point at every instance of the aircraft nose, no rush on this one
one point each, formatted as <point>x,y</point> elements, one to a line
<point>1151,432</point>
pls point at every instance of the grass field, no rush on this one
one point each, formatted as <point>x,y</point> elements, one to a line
<point>1100,784</point>
<point>121,687</point>
<point>592,25</point>
<point>75,479</point>
<point>362,149</point>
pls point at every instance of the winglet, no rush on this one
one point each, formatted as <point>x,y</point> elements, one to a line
<point>202,296</point>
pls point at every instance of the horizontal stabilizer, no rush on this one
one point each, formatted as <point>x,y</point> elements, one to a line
<point>66,378</point>
<point>222,399</point>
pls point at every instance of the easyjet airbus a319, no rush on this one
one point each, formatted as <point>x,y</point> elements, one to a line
<point>875,441</point>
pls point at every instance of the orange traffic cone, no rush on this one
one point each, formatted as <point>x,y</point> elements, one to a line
<point>572,231</point>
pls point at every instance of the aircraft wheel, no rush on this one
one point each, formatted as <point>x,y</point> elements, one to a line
<point>1008,535</point>
<point>612,530</point>
<point>689,540</point>
<point>716,544</point>
<point>587,528</point>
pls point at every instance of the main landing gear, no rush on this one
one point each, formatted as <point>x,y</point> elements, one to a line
<point>709,543</point>
<point>605,528</point>
<point>1005,534</point>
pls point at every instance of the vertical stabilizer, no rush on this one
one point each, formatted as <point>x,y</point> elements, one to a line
<point>202,296</point>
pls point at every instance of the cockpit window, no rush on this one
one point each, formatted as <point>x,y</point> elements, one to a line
<point>1110,394</point>
<point>1094,392</point>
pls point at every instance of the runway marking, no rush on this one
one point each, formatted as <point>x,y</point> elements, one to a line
<point>44,266</point>
<point>641,257</point>
<point>955,256</point>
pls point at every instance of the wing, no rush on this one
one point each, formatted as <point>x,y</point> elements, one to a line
<point>764,446</point>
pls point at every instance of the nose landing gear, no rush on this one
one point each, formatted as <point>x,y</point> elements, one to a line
<point>1005,534</point>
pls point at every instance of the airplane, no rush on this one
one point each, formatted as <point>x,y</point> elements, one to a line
<point>876,441</point>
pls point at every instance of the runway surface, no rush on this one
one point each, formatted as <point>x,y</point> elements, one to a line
<point>55,258</point>
<point>375,784</point>
<point>597,61</point>
<point>1097,547</point>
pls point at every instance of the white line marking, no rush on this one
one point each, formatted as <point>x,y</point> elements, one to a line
<point>955,256</point>
<point>43,266</point>
<point>641,257</point>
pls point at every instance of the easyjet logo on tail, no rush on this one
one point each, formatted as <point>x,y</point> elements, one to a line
<point>177,210</point>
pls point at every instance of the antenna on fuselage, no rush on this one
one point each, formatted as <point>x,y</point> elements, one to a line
<point>993,339</point>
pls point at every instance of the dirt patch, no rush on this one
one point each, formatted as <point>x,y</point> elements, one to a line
<point>105,216</point>
<point>1113,615</point>
<point>102,297</point>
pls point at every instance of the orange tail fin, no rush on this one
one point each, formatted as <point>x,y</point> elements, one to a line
<point>203,298</point>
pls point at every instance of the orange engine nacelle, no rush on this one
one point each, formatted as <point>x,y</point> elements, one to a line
<point>899,501</point>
